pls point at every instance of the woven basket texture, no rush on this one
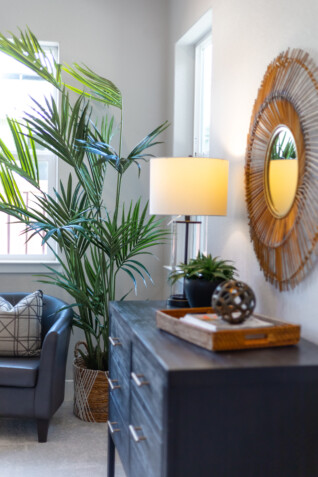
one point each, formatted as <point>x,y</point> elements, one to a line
<point>90,392</point>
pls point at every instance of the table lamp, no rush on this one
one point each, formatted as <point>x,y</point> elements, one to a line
<point>188,186</point>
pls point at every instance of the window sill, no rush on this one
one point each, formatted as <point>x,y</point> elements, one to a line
<point>15,266</point>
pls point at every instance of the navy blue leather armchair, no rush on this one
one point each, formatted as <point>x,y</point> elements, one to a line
<point>34,387</point>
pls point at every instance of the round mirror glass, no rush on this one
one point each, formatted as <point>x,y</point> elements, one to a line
<point>281,171</point>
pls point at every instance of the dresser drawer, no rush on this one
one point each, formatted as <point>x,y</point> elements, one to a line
<point>119,431</point>
<point>145,442</point>
<point>118,381</point>
<point>147,380</point>
<point>119,343</point>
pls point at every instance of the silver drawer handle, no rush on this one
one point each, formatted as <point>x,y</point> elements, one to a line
<point>138,381</point>
<point>111,382</point>
<point>111,428</point>
<point>114,341</point>
<point>133,432</point>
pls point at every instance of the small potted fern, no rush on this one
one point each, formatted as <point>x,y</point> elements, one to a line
<point>201,276</point>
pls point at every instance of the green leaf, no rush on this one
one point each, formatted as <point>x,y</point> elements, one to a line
<point>204,266</point>
<point>99,88</point>
<point>27,50</point>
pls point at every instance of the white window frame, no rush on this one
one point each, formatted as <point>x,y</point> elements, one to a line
<point>185,121</point>
<point>200,241</point>
<point>199,101</point>
<point>34,263</point>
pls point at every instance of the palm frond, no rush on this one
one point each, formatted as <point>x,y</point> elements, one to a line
<point>28,51</point>
<point>25,164</point>
<point>99,88</point>
<point>147,142</point>
<point>11,195</point>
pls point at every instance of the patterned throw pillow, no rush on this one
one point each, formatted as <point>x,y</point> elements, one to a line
<point>20,326</point>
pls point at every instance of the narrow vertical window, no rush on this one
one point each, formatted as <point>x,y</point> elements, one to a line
<point>192,114</point>
<point>202,97</point>
<point>202,119</point>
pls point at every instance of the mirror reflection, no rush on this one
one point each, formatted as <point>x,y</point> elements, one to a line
<point>282,171</point>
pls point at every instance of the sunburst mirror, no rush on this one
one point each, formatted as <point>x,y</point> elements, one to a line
<point>281,171</point>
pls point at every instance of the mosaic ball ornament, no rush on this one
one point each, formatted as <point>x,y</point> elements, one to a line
<point>234,301</point>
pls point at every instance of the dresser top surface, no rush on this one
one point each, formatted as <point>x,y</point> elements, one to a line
<point>178,355</point>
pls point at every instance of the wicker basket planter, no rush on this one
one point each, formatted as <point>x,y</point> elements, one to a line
<point>90,391</point>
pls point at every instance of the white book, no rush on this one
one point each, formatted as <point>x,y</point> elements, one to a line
<point>213,322</point>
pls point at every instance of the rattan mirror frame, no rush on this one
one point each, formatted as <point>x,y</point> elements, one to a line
<point>285,246</point>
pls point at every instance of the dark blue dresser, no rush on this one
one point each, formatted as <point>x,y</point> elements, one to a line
<point>177,410</point>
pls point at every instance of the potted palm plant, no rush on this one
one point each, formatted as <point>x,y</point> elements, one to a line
<point>92,240</point>
<point>201,276</point>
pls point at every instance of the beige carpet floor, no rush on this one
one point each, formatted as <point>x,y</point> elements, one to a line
<point>74,448</point>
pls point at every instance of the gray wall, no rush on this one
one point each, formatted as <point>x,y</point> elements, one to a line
<point>247,36</point>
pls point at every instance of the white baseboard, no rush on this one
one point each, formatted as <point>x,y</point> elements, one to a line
<point>69,390</point>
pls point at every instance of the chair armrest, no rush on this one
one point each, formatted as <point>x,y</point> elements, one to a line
<point>50,386</point>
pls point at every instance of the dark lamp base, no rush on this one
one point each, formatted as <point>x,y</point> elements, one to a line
<point>178,301</point>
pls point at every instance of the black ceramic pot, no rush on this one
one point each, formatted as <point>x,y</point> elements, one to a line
<point>199,291</point>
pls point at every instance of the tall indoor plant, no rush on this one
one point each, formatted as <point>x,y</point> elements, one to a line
<point>92,240</point>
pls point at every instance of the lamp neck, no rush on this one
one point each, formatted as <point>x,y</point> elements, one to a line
<point>187,221</point>
<point>186,241</point>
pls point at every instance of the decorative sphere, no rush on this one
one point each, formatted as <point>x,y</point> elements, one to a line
<point>234,301</point>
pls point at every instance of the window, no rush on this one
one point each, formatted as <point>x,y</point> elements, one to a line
<point>18,85</point>
<point>202,97</point>
<point>202,121</point>
<point>192,111</point>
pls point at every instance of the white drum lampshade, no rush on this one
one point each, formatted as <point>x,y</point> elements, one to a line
<point>188,186</point>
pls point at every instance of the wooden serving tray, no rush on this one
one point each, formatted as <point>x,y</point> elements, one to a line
<point>281,334</point>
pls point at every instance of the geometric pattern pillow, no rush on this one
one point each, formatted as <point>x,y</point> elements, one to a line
<point>20,326</point>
